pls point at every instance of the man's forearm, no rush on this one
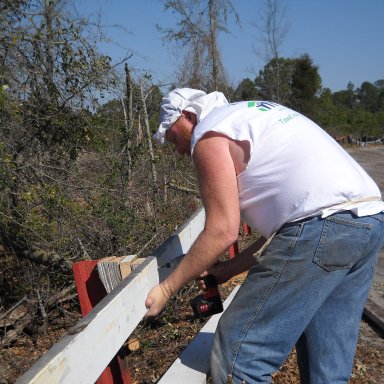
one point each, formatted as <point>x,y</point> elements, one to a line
<point>197,261</point>
<point>203,254</point>
<point>245,259</point>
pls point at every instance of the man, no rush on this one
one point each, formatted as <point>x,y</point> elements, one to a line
<point>323,218</point>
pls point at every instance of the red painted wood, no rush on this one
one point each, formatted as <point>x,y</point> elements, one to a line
<point>91,290</point>
<point>89,287</point>
<point>233,250</point>
<point>247,229</point>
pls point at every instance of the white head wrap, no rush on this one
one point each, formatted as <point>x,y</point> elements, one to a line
<point>192,100</point>
<point>172,106</point>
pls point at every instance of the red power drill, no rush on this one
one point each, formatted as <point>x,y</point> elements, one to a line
<point>209,302</point>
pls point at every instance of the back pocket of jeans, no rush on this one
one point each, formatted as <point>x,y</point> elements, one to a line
<point>341,243</point>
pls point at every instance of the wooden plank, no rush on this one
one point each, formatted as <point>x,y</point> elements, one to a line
<point>192,366</point>
<point>82,355</point>
<point>375,313</point>
<point>180,241</point>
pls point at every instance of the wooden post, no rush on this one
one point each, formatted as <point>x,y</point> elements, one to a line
<point>247,229</point>
<point>233,250</point>
<point>90,290</point>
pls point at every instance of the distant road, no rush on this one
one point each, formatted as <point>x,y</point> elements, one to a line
<point>372,160</point>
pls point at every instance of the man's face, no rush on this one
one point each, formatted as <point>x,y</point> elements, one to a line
<point>180,135</point>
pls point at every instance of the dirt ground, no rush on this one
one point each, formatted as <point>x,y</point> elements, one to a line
<point>30,346</point>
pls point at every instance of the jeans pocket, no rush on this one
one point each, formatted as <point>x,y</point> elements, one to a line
<point>341,243</point>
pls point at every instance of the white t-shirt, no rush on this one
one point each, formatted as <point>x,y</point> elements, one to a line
<point>296,169</point>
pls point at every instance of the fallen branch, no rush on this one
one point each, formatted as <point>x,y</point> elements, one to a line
<point>85,253</point>
<point>43,257</point>
<point>43,312</point>
<point>184,189</point>
<point>12,334</point>
<point>10,310</point>
<point>146,244</point>
<point>27,317</point>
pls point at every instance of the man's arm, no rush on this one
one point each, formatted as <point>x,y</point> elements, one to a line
<point>218,187</point>
<point>243,261</point>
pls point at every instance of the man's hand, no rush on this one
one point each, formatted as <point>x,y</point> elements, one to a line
<point>156,299</point>
<point>224,270</point>
<point>221,271</point>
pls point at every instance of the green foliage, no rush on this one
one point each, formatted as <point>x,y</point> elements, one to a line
<point>370,97</point>
<point>246,91</point>
<point>54,164</point>
<point>305,84</point>
<point>292,82</point>
<point>274,81</point>
<point>3,99</point>
<point>52,69</point>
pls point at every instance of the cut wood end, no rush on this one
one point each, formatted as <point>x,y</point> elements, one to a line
<point>133,344</point>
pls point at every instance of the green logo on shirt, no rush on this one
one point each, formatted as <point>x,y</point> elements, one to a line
<point>262,106</point>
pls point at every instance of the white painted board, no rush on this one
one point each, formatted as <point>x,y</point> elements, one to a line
<point>192,366</point>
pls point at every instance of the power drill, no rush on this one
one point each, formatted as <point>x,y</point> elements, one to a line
<point>208,303</point>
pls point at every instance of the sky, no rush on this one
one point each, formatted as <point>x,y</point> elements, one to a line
<point>344,38</point>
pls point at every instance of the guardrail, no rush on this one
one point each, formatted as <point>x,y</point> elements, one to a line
<point>192,366</point>
<point>81,356</point>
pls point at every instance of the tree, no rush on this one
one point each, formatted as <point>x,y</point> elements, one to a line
<point>246,90</point>
<point>346,98</point>
<point>51,66</point>
<point>369,97</point>
<point>274,81</point>
<point>273,27</point>
<point>306,82</point>
<point>380,85</point>
<point>335,119</point>
<point>292,82</point>
<point>52,72</point>
<point>197,31</point>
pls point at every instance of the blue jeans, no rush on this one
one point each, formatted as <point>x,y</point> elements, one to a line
<point>307,289</point>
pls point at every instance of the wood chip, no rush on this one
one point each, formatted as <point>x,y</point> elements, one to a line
<point>133,344</point>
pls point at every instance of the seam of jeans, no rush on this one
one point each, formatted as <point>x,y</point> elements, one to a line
<point>379,216</point>
<point>351,223</point>
<point>268,291</point>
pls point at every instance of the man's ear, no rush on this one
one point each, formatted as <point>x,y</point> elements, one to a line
<point>190,116</point>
